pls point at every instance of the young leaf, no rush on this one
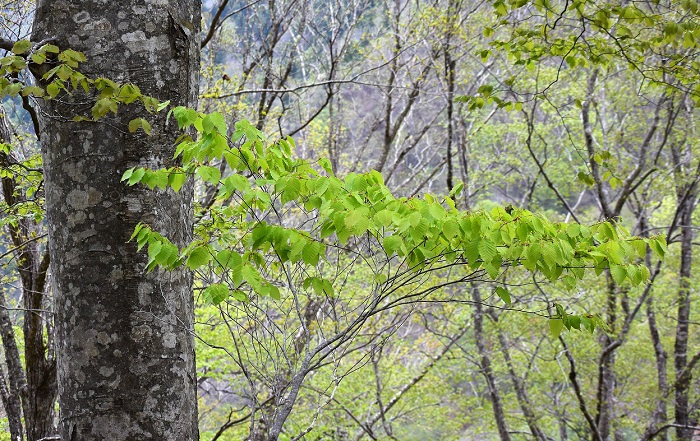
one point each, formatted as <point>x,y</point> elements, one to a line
<point>504,295</point>
<point>198,257</point>
<point>209,174</point>
<point>215,293</point>
<point>139,123</point>
<point>555,327</point>
<point>21,47</point>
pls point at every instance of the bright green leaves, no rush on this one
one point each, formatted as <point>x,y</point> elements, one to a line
<point>658,246</point>
<point>532,256</point>
<point>209,174</point>
<point>487,250</point>
<point>555,327</point>
<point>71,58</point>
<point>504,295</point>
<point>357,220</point>
<point>311,253</point>
<point>21,47</point>
<point>198,256</point>
<point>561,319</point>
<point>174,177</point>
<point>64,77</point>
<point>215,293</point>
<point>618,273</point>
<point>394,245</point>
<point>161,252</point>
<point>286,218</point>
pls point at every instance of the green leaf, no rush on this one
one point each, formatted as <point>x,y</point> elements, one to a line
<point>574,321</point>
<point>618,273</point>
<point>472,253</point>
<point>101,107</point>
<point>311,252</point>
<point>450,229</point>
<point>573,230</point>
<point>384,217</point>
<point>21,47</point>
<point>215,293</point>
<point>137,231</point>
<point>532,255</point>
<point>209,174</point>
<point>212,121</point>
<point>392,244</point>
<point>33,90</point>
<point>504,295</point>
<point>237,182</point>
<point>38,58</point>
<point>550,255</point>
<point>555,327</point>
<point>139,123</point>
<point>658,245</point>
<point>198,257</point>
<point>487,250</point>
<point>357,220</point>
<point>53,89</point>
<point>328,288</point>
<point>457,189</point>
<point>137,175</point>
<point>176,178</point>
<point>127,174</point>
<point>273,291</point>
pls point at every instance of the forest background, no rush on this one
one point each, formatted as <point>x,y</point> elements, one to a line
<point>582,111</point>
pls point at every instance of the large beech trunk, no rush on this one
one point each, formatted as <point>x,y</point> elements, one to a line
<point>125,346</point>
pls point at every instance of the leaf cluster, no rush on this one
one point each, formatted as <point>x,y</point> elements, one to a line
<point>272,210</point>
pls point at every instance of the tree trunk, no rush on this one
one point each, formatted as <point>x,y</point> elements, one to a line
<point>485,362</point>
<point>521,392</point>
<point>124,338</point>
<point>12,388</point>
<point>680,352</point>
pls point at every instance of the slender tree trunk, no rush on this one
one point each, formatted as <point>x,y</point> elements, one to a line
<point>16,382</point>
<point>450,78</point>
<point>125,348</point>
<point>521,392</point>
<point>680,354</point>
<point>485,363</point>
<point>660,413</point>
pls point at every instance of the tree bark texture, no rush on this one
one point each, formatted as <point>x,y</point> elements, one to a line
<point>125,345</point>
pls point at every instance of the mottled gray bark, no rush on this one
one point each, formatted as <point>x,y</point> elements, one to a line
<point>125,349</point>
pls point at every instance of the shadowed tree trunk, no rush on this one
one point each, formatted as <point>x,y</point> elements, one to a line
<point>124,337</point>
<point>485,364</point>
